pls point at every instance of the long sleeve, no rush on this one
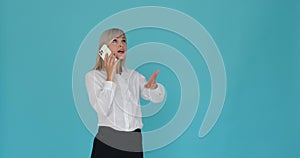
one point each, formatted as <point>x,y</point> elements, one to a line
<point>101,93</point>
<point>154,95</point>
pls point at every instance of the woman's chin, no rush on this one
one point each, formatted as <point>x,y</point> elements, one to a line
<point>121,57</point>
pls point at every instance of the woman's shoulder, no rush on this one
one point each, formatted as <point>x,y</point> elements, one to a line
<point>98,73</point>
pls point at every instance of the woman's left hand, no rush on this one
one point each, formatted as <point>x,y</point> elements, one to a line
<point>152,81</point>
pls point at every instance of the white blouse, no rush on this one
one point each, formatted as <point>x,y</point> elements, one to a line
<point>117,102</point>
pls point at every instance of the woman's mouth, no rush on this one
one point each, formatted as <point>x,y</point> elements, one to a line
<point>121,51</point>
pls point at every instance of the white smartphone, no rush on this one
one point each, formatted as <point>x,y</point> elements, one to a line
<point>103,51</point>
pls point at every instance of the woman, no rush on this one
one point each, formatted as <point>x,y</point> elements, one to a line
<point>114,92</point>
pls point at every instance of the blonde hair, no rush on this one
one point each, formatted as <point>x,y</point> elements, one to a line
<point>105,38</point>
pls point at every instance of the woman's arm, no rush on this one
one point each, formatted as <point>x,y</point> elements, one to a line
<point>100,92</point>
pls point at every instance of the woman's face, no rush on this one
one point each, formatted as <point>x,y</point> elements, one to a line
<point>118,46</point>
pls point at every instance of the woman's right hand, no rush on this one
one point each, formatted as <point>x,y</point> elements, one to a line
<point>110,64</point>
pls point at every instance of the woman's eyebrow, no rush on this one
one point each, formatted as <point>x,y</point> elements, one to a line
<point>122,38</point>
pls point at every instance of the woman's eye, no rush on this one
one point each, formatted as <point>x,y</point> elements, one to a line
<point>124,41</point>
<point>114,41</point>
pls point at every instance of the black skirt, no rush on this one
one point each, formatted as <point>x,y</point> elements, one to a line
<point>111,143</point>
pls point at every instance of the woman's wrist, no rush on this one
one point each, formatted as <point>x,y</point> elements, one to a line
<point>109,79</point>
<point>153,86</point>
<point>110,76</point>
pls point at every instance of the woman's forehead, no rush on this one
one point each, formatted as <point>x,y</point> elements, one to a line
<point>121,36</point>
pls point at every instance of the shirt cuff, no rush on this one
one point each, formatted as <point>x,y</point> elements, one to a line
<point>158,90</point>
<point>109,85</point>
<point>157,95</point>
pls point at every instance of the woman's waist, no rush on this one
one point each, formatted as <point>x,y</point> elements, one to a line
<point>122,140</point>
<point>122,128</point>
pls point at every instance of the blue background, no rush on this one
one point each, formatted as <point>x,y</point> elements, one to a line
<point>259,42</point>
